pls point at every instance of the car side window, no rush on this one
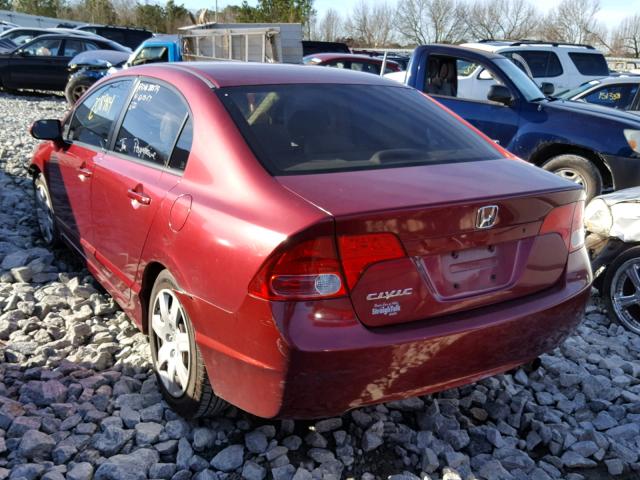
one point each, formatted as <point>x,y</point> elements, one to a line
<point>93,118</point>
<point>43,48</point>
<point>151,123</point>
<point>616,96</point>
<point>180,155</point>
<point>74,47</point>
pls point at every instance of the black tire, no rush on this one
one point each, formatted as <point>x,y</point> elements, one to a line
<point>196,398</point>
<point>44,212</point>
<point>615,284</point>
<point>579,170</point>
<point>76,86</point>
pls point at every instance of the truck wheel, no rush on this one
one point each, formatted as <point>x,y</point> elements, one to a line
<point>44,211</point>
<point>176,358</point>
<point>75,89</point>
<point>578,170</point>
<point>621,289</point>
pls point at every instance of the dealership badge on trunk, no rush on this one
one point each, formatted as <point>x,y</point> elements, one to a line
<point>487,216</point>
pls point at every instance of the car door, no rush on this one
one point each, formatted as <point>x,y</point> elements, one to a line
<point>31,66</point>
<point>498,121</point>
<point>70,169</point>
<point>128,182</point>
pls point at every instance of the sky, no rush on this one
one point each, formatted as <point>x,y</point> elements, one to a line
<point>612,11</point>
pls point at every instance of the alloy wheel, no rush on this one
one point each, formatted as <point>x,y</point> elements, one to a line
<point>44,213</point>
<point>571,175</point>
<point>625,294</point>
<point>170,333</point>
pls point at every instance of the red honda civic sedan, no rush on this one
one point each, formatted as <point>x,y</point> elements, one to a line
<point>300,242</point>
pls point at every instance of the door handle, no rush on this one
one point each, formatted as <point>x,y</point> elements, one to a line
<point>140,197</point>
<point>84,174</point>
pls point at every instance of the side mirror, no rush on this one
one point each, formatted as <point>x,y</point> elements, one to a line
<point>547,88</point>
<point>500,94</point>
<point>47,130</point>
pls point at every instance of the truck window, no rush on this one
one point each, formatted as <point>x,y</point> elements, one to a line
<point>151,54</point>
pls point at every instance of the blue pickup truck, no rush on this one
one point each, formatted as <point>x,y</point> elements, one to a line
<point>594,146</point>
<point>88,67</point>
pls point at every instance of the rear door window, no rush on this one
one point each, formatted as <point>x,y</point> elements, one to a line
<point>180,155</point>
<point>590,63</point>
<point>74,47</point>
<point>615,96</point>
<point>93,118</point>
<point>151,124</point>
<point>539,62</point>
<point>367,67</point>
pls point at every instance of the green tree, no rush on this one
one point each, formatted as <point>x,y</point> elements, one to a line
<point>277,11</point>
<point>6,5</point>
<point>48,8</point>
<point>151,16</point>
<point>176,16</point>
<point>99,11</point>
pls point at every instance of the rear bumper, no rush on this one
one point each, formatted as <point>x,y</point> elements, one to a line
<point>624,170</point>
<point>332,363</point>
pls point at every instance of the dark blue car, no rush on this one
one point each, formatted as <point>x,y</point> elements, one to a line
<point>594,146</point>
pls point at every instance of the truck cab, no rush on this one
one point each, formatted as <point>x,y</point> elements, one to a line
<point>596,147</point>
<point>162,48</point>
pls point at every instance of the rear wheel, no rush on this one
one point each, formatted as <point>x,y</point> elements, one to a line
<point>176,357</point>
<point>44,211</point>
<point>578,170</point>
<point>621,289</point>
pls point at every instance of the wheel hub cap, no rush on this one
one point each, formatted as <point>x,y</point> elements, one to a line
<point>172,361</point>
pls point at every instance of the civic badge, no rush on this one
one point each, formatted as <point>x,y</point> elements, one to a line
<point>487,217</point>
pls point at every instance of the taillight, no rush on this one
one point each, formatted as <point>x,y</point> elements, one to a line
<point>566,221</point>
<point>359,251</point>
<point>307,270</point>
<point>311,269</point>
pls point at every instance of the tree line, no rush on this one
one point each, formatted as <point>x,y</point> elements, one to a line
<point>372,24</point>
<point>415,22</point>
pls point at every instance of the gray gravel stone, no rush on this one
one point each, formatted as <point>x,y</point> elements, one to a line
<point>256,442</point>
<point>228,459</point>
<point>80,471</point>
<point>36,445</point>
<point>253,471</point>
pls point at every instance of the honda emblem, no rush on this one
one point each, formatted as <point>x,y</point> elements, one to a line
<point>487,216</point>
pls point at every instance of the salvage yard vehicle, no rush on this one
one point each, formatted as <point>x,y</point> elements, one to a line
<point>594,146</point>
<point>276,228</point>
<point>41,64</point>
<point>87,68</point>
<point>359,63</point>
<point>564,65</point>
<point>15,37</point>
<point>621,93</point>
<point>128,36</point>
<point>613,241</point>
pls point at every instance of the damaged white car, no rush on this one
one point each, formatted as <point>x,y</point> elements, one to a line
<point>612,222</point>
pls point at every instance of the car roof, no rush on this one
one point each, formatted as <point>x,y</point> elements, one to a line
<point>620,79</point>
<point>234,74</point>
<point>503,46</point>
<point>345,56</point>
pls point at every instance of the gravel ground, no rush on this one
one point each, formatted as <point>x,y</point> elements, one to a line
<point>78,399</point>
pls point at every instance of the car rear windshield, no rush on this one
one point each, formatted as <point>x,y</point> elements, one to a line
<point>590,63</point>
<point>298,129</point>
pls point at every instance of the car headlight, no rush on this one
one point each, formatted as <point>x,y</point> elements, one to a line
<point>597,217</point>
<point>633,139</point>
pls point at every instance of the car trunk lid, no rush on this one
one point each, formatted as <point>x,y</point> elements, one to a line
<point>452,262</point>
